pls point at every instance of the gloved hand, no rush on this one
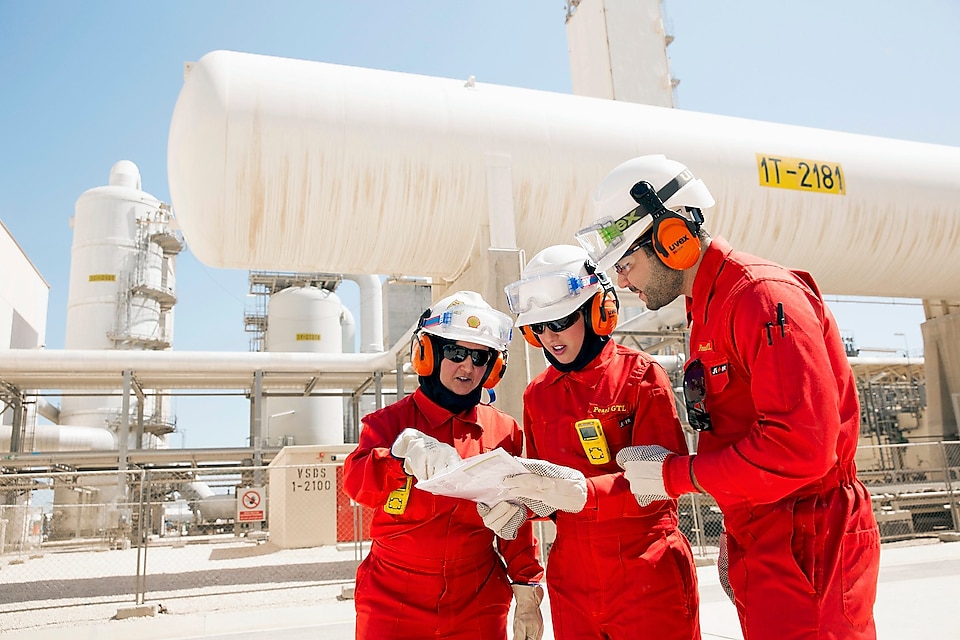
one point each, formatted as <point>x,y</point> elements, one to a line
<point>527,620</point>
<point>643,468</point>
<point>423,456</point>
<point>548,487</point>
<point>503,518</point>
<point>723,564</point>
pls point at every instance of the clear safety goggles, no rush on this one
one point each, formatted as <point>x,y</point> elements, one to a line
<point>546,290</point>
<point>608,236</point>
<point>472,324</point>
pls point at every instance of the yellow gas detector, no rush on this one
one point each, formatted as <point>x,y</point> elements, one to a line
<point>397,500</point>
<point>594,443</point>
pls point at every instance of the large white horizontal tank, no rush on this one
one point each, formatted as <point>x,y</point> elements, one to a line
<point>303,320</point>
<point>286,164</point>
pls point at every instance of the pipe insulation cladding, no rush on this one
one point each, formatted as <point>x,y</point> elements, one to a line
<point>284,164</point>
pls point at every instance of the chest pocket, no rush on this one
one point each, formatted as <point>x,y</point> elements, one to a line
<point>716,377</point>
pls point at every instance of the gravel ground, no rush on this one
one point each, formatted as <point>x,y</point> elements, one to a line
<point>60,588</point>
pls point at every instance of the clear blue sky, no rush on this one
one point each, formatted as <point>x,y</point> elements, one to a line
<point>86,84</point>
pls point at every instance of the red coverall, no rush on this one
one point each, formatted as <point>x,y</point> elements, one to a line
<point>433,571</point>
<point>804,548</point>
<point>616,570</point>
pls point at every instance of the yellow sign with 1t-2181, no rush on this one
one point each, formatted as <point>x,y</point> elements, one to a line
<point>802,174</point>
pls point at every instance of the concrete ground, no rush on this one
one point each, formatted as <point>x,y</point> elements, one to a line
<point>244,591</point>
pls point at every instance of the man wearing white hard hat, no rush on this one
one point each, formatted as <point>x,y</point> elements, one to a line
<point>619,568</point>
<point>769,388</point>
<point>433,570</point>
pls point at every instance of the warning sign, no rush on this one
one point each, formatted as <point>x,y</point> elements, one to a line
<point>251,505</point>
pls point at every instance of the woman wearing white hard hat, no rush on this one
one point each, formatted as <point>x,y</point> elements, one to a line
<point>433,570</point>
<point>620,568</point>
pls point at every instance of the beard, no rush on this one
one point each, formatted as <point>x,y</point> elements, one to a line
<point>664,287</point>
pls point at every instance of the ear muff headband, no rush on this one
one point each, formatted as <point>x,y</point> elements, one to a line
<point>604,307</point>
<point>675,239</point>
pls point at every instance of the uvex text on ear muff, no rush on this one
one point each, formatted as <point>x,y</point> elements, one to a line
<point>604,306</point>
<point>675,239</point>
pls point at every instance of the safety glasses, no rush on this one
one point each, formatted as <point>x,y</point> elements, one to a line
<point>640,244</point>
<point>695,392</point>
<point>457,353</point>
<point>555,325</point>
<point>546,290</point>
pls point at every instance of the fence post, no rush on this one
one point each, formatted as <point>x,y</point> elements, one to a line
<point>142,527</point>
<point>946,477</point>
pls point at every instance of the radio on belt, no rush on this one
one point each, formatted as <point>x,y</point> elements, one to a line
<point>594,443</point>
<point>397,500</point>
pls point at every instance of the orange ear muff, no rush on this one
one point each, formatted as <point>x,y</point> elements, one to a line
<point>532,339</point>
<point>675,241</point>
<point>497,369</point>
<point>604,309</point>
<point>421,355</point>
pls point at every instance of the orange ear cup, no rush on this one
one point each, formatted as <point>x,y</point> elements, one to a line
<point>497,370</point>
<point>676,243</point>
<point>530,337</point>
<point>421,355</point>
<point>603,313</point>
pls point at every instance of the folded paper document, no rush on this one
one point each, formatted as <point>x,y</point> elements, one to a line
<point>479,478</point>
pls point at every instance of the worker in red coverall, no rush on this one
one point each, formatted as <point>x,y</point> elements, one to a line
<point>433,570</point>
<point>769,388</point>
<point>618,569</point>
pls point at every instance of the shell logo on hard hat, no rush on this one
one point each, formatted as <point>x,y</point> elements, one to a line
<point>473,322</point>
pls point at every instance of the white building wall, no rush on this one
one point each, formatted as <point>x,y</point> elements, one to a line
<point>23,297</point>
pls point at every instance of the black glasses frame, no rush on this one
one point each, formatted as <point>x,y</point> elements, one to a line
<point>639,244</point>
<point>556,326</point>
<point>458,353</point>
<point>694,393</point>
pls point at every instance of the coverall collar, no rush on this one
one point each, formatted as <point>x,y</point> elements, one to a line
<point>437,415</point>
<point>713,259</point>
<point>591,373</point>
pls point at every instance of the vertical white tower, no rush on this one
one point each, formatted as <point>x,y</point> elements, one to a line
<point>618,51</point>
<point>307,320</point>
<point>121,292</point>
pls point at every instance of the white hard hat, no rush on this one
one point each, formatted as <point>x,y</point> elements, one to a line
<point>554,284</point>
<point>619,222</point>
<point>466,316</point>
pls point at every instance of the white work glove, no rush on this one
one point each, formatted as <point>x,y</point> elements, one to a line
<point>643,468</point>
<point>723,564</point>
<point>503,518</point>
<point>423,456</point>
<point>527,620</point>
<point>548,487</point>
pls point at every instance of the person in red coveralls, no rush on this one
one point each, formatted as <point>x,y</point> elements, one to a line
<point>620,568</point>
<point>433,570</point>
<point>769,388</point>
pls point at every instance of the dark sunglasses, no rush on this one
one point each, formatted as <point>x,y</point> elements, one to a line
<point>695,392</point>
<point>556,325</point>
<point>457,353</point>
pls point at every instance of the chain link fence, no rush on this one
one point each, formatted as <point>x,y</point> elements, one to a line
<point>73,538</point>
